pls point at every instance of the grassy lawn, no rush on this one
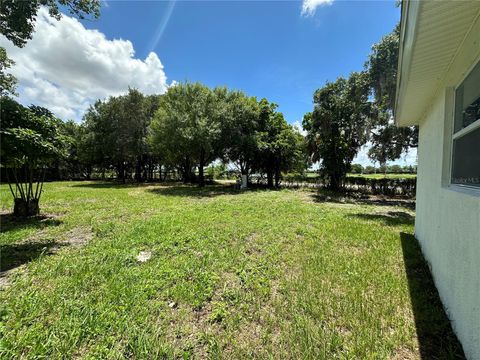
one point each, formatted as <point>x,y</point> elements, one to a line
<point>265,274</point>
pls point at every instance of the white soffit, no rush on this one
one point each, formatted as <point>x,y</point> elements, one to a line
<point>432,32</point>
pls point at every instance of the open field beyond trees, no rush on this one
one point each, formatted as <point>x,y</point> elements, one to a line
<point>385,176</point>
<point>157,271</point>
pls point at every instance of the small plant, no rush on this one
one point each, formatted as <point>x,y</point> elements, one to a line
<point>219,312</point>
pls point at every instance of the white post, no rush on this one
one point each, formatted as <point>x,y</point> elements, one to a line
<point>244,182</point>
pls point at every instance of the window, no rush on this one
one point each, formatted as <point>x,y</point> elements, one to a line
<point>466,133</point>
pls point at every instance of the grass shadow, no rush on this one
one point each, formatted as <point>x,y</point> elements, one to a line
<point>434,331</point>
<point>8,222</point>
<point>390,218</point>
<point>349,197</point>
<point>15,255</point>
<point>103,184</point>
<point>208,191</point>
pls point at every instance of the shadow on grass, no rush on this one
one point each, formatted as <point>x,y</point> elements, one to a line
<point>103,184</point>
<point>362,199</point>
<point>390,218</point>
<point>8,222</point>
<point>434,332</point>
<point>15,255</point>
<point>208,191</point>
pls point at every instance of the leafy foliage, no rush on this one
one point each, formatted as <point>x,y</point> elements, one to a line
<point>7,81</point>
<point>338,126</point>
<point>116,131</point>
<point>186,129</point>
<point>388,140</point>
<point>31,140</point>
<point>195,125</point>
<point>240,131</point>
<point>280,146</point>
<point>28,137</point>
<point>17,18</point>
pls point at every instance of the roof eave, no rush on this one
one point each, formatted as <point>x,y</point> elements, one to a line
<point>408,26</point>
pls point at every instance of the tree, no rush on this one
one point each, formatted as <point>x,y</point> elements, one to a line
<point>388,141</point>
<point>31,140</point>
<point>78,162</point>
<point>280,146</point>
<point>118,128</point>
<point>186,129</point>
<point>240,130</point>
<point>17,18</point>
<point>338,126</point>
<point>357,168</point>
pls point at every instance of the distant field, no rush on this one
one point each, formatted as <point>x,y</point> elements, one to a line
<point>151,271</point>
<point>382,176</point>
<point>373,176</point>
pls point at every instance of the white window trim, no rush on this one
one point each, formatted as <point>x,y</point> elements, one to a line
<point>460,133</point>
<point>452,135</point>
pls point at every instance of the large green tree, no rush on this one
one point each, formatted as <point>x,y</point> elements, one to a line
<point>338,125</point>
<point>280,146</point>
<point>186,129</point>
<point>118,130</point>
<point>240,132</point>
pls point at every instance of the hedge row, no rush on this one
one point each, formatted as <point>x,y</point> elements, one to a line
<point>383,186</point>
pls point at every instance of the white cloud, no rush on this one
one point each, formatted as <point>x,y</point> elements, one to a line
<point>298,125</point>
<point>66,67</point>
<point>310,6</point>
<point>362,158</point>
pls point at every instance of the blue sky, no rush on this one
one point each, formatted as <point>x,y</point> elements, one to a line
<point>280,50</point>
<point>266,48</point>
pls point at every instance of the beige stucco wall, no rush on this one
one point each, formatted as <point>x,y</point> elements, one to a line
<point>448,225</point>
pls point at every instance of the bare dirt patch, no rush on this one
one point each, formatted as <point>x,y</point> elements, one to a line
<point>4,279</point>
<point>78,236</point>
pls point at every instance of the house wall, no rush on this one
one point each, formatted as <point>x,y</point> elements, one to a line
<point>447,218</point>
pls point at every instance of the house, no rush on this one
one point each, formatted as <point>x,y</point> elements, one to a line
<point>438,89</point>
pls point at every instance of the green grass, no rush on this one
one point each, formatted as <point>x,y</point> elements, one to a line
<point>263,274</point>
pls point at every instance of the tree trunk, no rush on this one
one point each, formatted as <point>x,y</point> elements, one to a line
<point>24,208</point>
<point>201,176</point>
<point>138,170</point>
<point>270,179</point>
<point>277,178</point>
<point>122,172</point>
<point>187,176</point>
<point>335,182</point>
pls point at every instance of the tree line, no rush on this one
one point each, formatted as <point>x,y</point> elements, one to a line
<point>184,130</point>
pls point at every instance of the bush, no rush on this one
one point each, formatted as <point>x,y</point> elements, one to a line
<point>383,186</point>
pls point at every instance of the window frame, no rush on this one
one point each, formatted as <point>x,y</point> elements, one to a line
<point>466,188</point>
